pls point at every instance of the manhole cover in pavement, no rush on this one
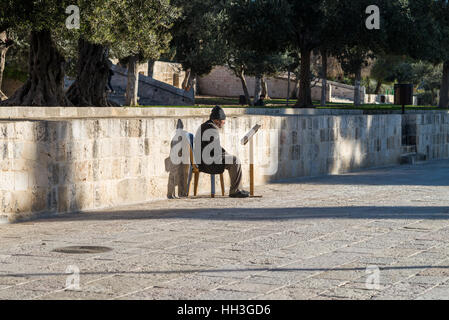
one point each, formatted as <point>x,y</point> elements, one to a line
<point>82,249</point>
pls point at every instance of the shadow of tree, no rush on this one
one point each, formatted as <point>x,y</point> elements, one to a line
<point>219,270</point>
<point>262,214</point>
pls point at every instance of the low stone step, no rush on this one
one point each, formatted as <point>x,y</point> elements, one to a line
<point>408,149</point>
<point>408,158</point>
<point>421,157</point>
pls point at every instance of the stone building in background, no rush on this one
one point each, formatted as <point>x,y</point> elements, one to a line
<point>168,72</point>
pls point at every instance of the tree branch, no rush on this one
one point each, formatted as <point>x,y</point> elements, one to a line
<point>6,44</point>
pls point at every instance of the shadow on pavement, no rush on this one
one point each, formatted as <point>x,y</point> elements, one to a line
<point>432,173</point>
<point>262,214</point>
<point>212,271</point>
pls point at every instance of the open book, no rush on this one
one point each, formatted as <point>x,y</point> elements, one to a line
<point>250,134</point>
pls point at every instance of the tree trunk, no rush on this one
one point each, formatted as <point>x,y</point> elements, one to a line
<point>305,94</point>
<point>265,88</point>
<point>189,82</point>
<point>192,83</point>
<point>444,92</point>
<point>4,46</point>
<point>295,92</point>
<point>45,83</point>
<point>89,88</point>
<point>323,78</point>
<point>133,82</point>
<point>358,79</point>
<point>378,87</point>
<point>151,68</point>
<point>245,89</point>
<point>257,89</point>
<point>186,80</point>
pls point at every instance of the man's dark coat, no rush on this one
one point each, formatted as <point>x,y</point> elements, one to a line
<point>214,168</point>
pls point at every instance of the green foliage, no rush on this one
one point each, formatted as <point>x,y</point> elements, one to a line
<point>401,69</point>
<point>306,23</point>
<point>15,73</point>
<point>352,59</point>
<point>128,27</point>
<point>425,98</point>
<point>257,25</point>
<point>16,64</point>
<point>33,14</point>
<point>429,30</point>
<point>197,36</point>
<point>384,66</point>
<point>256,37</point>
<point>427,76</point>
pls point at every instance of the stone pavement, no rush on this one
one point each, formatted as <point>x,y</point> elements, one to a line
<point>305,239</point>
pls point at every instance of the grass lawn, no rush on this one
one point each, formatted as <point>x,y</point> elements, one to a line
<point>208,102</point>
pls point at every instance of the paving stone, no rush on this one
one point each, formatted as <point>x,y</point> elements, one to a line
<point>249,286</point>
<point>291,293</point>
<point>347,293</point>
<point>199,282</point>
<point>437,293</point>
<point>304,239</point>
<point>225,294</point>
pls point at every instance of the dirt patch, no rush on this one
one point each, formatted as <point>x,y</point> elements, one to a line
<point>9,86</point>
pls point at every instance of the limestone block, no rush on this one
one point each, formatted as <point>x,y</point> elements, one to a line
<point>5,202</point>
<point>125,167</point>
<point>116,171</point>
<point>78,130</point>
<point>81,171</point>
<point>124,127</point>
<point>4,153</point>
<point>84,195</point>
<point>73,204</point>
<point>87,150</point>
<point>22,201</point>
<point>100,195</point>
<point>22,131</point>
<point>7,181</point>
<point>61,154</point>
<point>105,147</point>
<point>41,176</point>
<point>63,131</point>
<point>22,150</point>
<point>20,181</point>
<point>135,128</point>
<point>91,128</point>
<point>44,152</point>
<point>116,148</point>
<point>125,190</point>
<point>105,169</point>
<point>135,166</point>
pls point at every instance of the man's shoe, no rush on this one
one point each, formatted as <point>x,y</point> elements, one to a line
<point>239,194</point>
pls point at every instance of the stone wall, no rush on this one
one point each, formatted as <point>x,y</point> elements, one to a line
<point>41,113</point>
<point>376,98</point>
<point>151,91</point>
<point>429,132</point>
<point>223,83</point>
<point>9,86</point>
<point>170,73</point>
<point>70,165</point>
<point>340,92</point>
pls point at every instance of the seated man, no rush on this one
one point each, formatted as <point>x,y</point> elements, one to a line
<point>211,158</point>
